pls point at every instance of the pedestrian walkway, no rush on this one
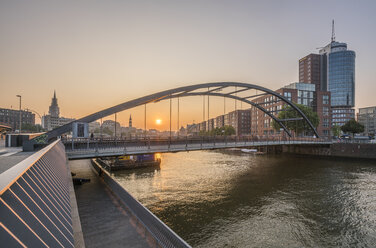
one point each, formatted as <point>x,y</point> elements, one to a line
<point>10,156</point>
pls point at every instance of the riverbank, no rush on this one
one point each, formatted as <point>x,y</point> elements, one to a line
<point>346,150</point>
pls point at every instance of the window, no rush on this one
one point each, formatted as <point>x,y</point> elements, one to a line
<point>287,95</point>
<point>325,99</point>
<point>325,111</point>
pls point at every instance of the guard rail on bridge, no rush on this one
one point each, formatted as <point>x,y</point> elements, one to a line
<point>91,148</point>
<point>35,207</point>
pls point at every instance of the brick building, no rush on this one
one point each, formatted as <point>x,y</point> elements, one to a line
<point>301,93</point>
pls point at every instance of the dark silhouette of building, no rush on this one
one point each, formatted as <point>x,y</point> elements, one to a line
<point>11,118</point>
<point>54,110</point>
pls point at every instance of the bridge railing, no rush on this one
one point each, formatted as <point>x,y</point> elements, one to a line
<point>35,208</point>
<point>97,143</point>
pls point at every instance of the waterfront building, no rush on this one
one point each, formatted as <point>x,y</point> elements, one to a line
<point>211,124</point>
<point>301,93</point>
<point>240,120</point>
<point>367,117</point>
<point>219,121</point>
<point>340,81</point>
<point>310,70</point>
<point>11,117</point>
<point>202,126</point>
<point>333,70</point>
<point>53,119</point>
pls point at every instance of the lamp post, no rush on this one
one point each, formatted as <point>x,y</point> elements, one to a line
<point>20,114</point>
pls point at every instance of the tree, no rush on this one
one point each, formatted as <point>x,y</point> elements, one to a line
<point>336,130</point>
<point>27,127</point>
<point>352,126</point>
<point>299,126</point>
<point>229,130</point>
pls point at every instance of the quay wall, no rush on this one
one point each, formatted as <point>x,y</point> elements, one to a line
<point>348,150</point>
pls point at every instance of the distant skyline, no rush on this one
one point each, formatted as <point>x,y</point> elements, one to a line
<point>96,54</point>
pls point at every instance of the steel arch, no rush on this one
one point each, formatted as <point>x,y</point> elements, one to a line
<point>180,91</point>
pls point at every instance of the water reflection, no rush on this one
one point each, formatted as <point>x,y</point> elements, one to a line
<point>240,200</point>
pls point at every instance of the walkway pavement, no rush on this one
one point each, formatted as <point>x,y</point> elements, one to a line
<point>10,156</point>
<point>105,221</point>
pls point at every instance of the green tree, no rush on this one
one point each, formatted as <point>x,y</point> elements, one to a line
<point>27,127</point>
<point>299,126</point>
<point>336,130</point>
<point>353,127</point>
<point>229,130</point>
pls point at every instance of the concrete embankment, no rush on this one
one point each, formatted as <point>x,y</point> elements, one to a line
<point>348,150</point>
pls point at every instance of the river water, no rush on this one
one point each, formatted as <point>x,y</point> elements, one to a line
<point>234,199</point>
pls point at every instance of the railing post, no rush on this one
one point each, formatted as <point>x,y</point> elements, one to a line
<point>72,144</point>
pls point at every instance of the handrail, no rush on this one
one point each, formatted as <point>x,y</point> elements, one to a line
<point>8,177</point>
<point>35,205</point>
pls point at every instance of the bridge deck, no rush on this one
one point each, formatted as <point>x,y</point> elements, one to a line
<point>105,221</point>
<point>92,150</point>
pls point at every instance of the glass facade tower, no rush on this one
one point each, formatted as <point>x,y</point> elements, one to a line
<point>341,78</point>
<point>338,77</point>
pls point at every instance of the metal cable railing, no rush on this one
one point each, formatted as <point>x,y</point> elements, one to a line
<point>35,208</point>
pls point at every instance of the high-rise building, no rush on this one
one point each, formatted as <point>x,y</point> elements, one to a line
<point>340,81</point>
<point>333,70</point>
<point>310,70</point>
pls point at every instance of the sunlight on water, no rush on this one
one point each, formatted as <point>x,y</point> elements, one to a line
<point>229,198</point>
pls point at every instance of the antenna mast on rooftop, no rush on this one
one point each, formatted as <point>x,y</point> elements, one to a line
<point>333,33</point>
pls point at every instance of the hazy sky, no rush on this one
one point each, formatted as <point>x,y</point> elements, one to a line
<point>100,53</point>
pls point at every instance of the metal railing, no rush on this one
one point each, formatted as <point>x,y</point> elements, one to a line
<point>164,236</point>
<point>89,148</point>
<point>35,208</point>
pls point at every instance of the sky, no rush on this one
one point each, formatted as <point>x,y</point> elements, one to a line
<point>97,54</point>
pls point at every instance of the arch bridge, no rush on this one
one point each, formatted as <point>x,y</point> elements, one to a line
<point>242,92</point>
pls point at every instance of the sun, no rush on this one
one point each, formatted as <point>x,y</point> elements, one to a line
<point>158,121</point>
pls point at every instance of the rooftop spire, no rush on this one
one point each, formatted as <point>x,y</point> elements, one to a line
<point>333,33</point>
<point>54,93</point>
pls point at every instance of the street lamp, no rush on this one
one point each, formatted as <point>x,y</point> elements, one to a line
<point>20,114</point>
